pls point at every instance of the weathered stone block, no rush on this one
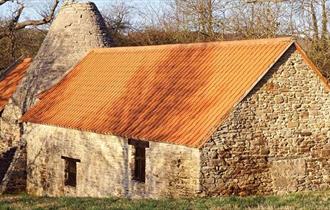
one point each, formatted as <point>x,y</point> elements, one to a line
<point>279,99</point>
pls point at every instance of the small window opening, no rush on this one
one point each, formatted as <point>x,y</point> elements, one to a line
<point>140,164</point>
<point>139,160</point>
<point>70,171</point>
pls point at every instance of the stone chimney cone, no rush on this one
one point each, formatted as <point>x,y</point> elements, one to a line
<point>78,28</point>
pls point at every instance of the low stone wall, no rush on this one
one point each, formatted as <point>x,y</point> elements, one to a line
<point>276,140</point>
<point>105,167</point>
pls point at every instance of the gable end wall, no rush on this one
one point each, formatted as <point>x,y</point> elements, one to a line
<point>276,140</point>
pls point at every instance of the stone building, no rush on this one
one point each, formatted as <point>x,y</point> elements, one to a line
<point>211,119</point>
<point>77,29</point>
<point>9,80</point>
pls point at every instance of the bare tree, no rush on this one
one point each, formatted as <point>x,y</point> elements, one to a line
<point>324,23</point>
<point>14,24</point>
<point>13,28</point>
<point>117,16</point>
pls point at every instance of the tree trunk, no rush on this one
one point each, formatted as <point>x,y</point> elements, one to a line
<point>324,35</point>
<point>314,22</point>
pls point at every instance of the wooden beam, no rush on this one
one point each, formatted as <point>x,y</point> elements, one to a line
<point>138,143</point>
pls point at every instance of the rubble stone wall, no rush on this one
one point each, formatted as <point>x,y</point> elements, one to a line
<point>276,140</point>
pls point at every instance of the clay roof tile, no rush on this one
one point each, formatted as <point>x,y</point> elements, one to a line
<point>9,84</point>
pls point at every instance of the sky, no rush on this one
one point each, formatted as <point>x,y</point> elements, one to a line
<point>33,6</point>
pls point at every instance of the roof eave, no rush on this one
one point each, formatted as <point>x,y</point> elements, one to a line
<point>311,64</point>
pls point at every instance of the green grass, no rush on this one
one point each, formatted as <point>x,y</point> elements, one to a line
<point>308,201</point>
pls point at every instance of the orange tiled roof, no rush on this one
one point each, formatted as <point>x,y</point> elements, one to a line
<point>173,93</point>
<point>9,84</point>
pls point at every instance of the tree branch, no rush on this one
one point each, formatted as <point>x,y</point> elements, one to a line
<point>4,1</point>
<point>18,14</point>
<point>14,24</point>
<point>43,21</point>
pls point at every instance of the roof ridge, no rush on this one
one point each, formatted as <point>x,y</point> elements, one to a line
<point>200,44</point>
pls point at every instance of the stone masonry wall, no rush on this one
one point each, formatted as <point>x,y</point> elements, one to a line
<point>106,165</point>
<point>12,151</point>
<point>276,140</point>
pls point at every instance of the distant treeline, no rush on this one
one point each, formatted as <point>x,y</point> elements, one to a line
<point>186,21</point>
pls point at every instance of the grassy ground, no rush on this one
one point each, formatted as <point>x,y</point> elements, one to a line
<point>308,201</point>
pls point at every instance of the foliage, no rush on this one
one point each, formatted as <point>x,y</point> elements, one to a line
<point>26,44</point>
